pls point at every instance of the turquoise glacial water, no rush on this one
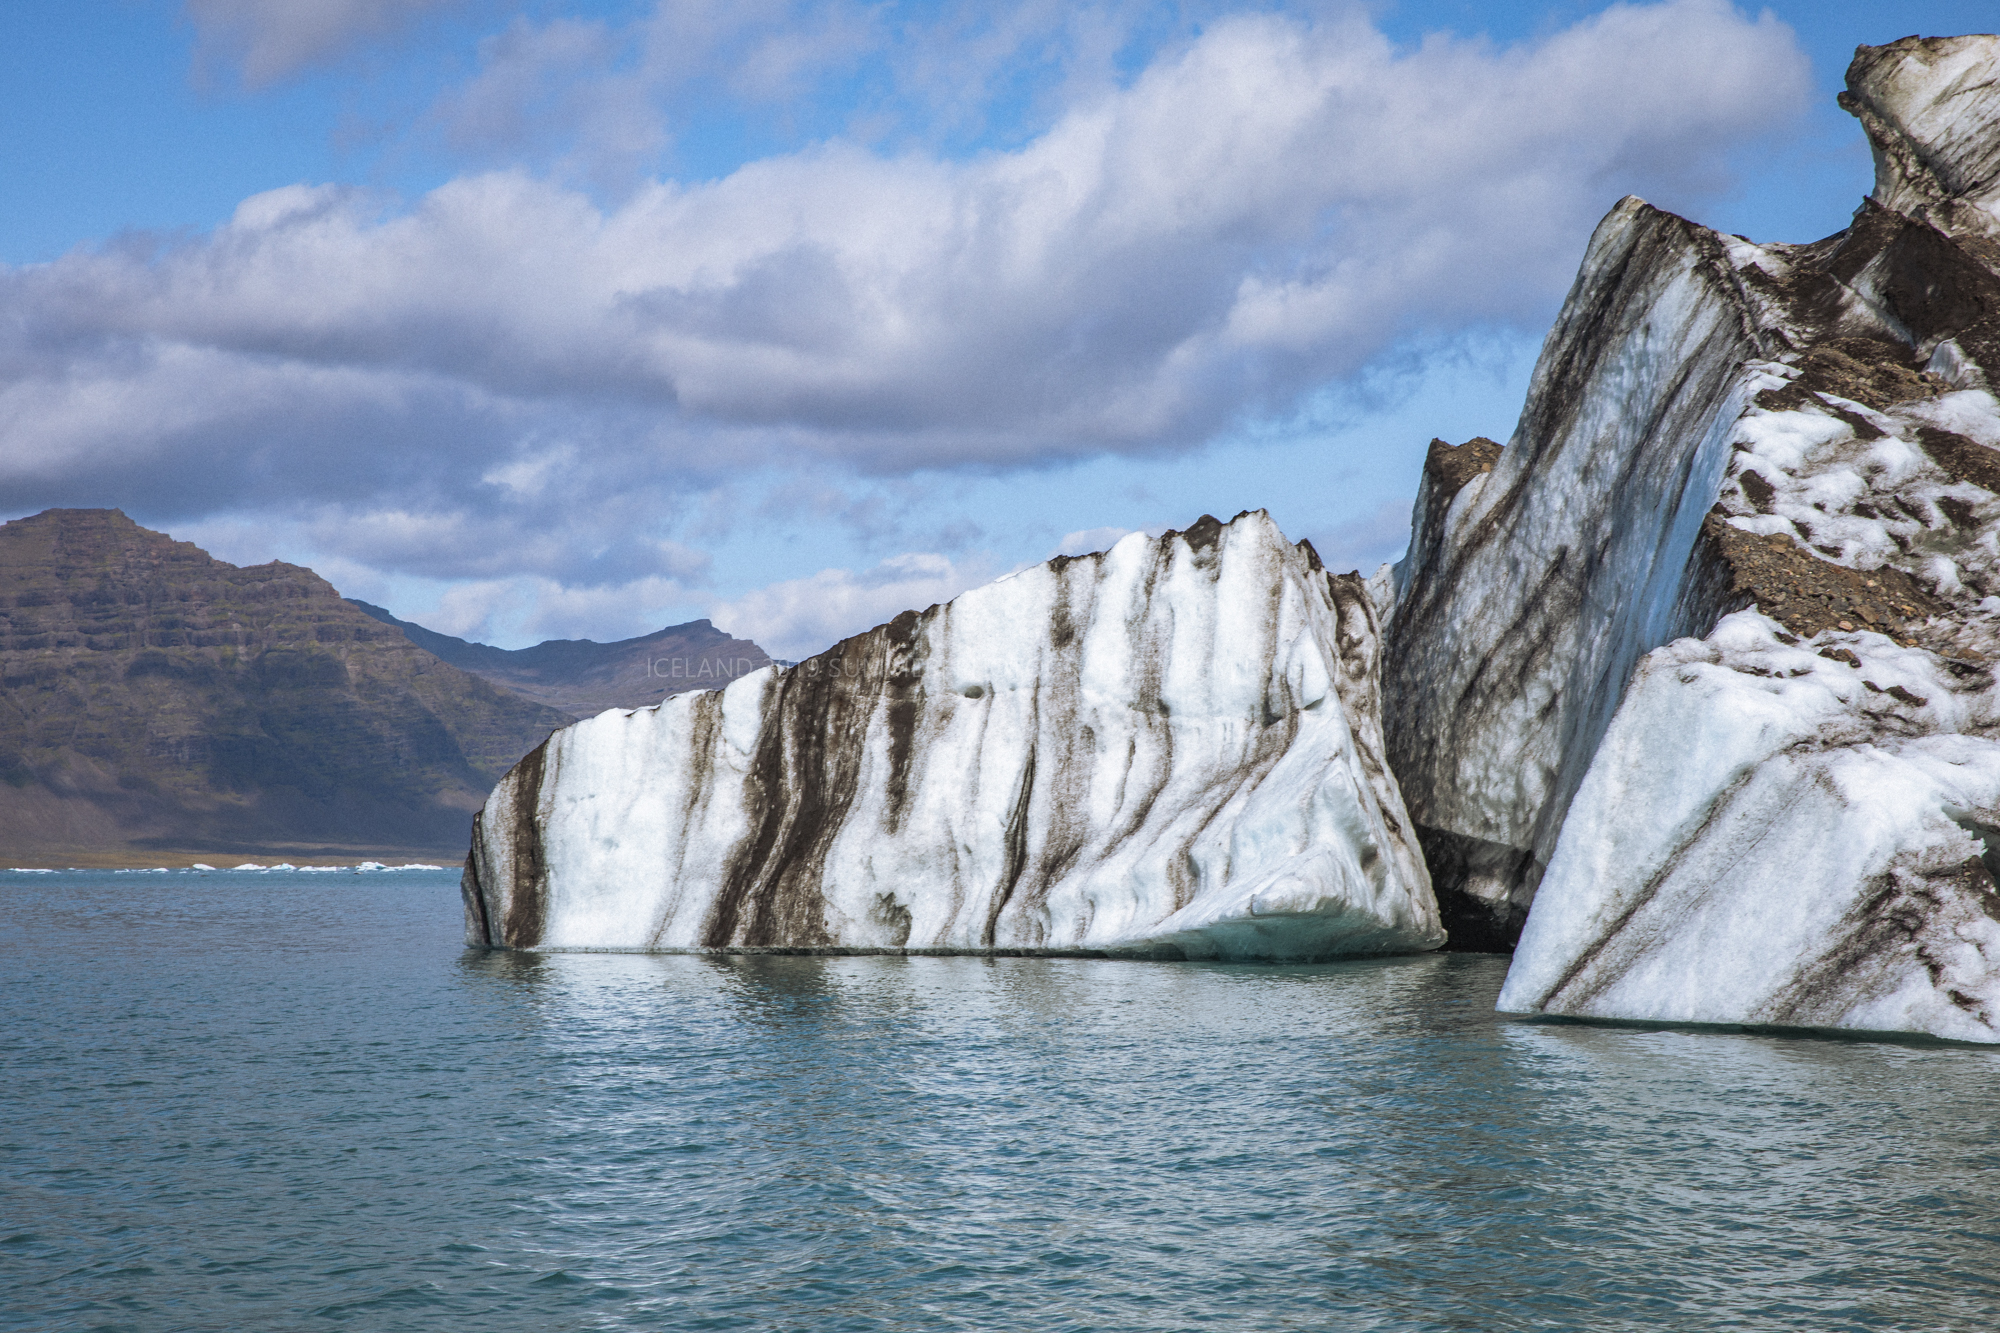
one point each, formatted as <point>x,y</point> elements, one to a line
<point>287,1101</point>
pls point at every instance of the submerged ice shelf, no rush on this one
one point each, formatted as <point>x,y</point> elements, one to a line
<point>1170,748</point>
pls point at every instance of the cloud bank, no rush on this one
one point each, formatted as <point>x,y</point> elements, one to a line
<point>507,378</point>
<point>268,40</point>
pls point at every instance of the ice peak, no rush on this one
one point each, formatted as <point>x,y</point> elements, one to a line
<point>1931,107</point>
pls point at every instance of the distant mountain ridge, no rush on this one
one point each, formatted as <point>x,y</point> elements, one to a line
<point>154,698</point>
<point>583,677</point>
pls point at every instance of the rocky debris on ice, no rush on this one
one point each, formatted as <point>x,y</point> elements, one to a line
<point>1791,818</point>
<point>1170,748</point>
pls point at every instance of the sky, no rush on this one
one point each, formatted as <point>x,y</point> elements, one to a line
<point>576,320</point>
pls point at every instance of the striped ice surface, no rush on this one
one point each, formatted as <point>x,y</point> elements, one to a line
<point>1172,748</point>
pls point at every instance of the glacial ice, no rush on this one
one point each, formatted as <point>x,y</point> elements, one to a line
<point>1695,676</point>
<point>1170,748</point>
<point>1794,818</point>
<point>1772,835</point>
<point>1804,831</point>
<point>1531,590</point>
<point>1928,106</point>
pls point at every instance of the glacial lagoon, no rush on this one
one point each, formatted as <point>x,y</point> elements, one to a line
<point>281,1101</point>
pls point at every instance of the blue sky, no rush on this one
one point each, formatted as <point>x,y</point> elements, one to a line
<point>577,319</point>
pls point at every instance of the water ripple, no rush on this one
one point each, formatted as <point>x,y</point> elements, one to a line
<point>284,1102</point>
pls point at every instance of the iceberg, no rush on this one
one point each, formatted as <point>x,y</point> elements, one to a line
<point>1688,688</point>
<point>1170,749</point>
<point>1539,573</point>
<point>1792,816</point>
<point>1780,831</point>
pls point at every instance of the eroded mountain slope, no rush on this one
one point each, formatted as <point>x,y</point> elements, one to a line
<point>157,698</point>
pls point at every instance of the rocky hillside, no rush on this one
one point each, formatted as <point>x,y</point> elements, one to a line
<point>159,700</point>
<point>583,678</point>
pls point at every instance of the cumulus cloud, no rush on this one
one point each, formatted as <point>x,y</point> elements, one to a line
<point>508,378</point>
<point>1094,539</point>
<point>1365,544</point>
<point>266,40</point>
<point>796,618</point>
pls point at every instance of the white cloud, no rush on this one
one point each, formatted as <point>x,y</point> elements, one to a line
<point>792,619</point>
<point>506,378</point>
<point>1364,544</point>
<point>799,617</point>
<point>1093,539</point>
<point>456,545</point>
<point>270,39</point>
<point>523,611</point>
<point>1270,208</point>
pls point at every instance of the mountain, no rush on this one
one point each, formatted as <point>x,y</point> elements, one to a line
<point>583,678</point>
<point>155,699</point>
<point>1170,748</point>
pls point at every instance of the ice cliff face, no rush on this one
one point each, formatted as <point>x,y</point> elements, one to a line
<point>1169,748</point>
<point>1793,816</point>
<point>1539,573</point>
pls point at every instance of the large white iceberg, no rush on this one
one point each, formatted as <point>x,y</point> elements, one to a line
<point>1170,748</point>
<point>1830,395</point>
<point>1538,574</point>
